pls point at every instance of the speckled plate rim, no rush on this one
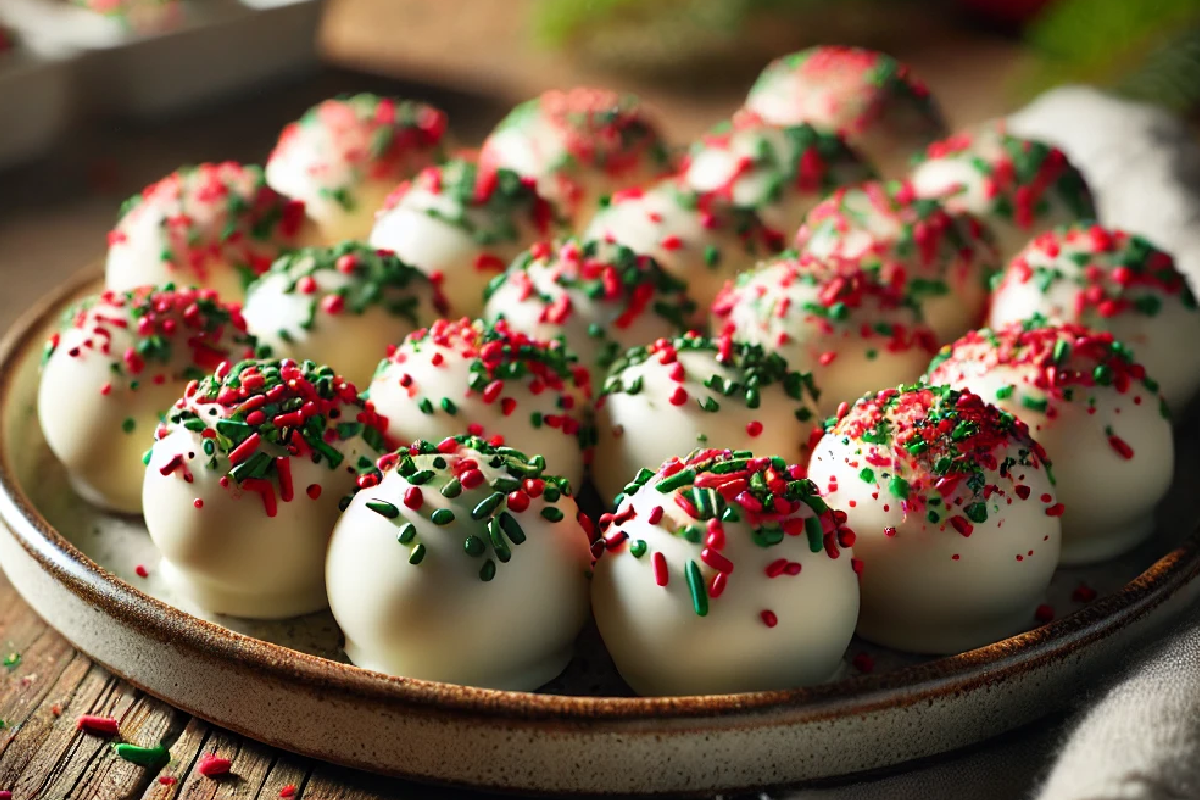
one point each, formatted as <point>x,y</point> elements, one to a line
<point>853,697</point>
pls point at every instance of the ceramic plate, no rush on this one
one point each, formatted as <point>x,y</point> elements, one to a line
<point>287,683</point>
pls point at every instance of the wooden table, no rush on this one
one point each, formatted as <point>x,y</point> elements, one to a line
<point>53,217</point>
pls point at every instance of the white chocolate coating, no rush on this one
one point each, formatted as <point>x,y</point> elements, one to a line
<point>579,145</point>
<point>340,306</point>
<point>213,226</point>
<point>100,397</point>
<point>502,618</point>
<point>242,549</point>
<point>830,318</point>
<point>1020,188</point>
<point>1109,280</point>
<point>756,632</point>
<point>461,226</point>
<point>657,406</point>
<point>947,258</point>
<point>934,580</point>
<point>780,173</point>
<point>424,389</point>
<point>1111,443</point>
<point>346,154</point>
<point>873,100</point>
<point>701,246</point>
<point>600,298</point>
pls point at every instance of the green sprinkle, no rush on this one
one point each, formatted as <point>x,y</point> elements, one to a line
<point>512,528</point>
<point>898,487</point>
<point>142,756</point>
<point>638,548</point>
<point>448,406</point>
<point>976,512</point>
<point>453,488</point>
<point>407,533</point>
<point>552,514</point>
<point>1005,392</point>
<point>442,516</point>
<point>12,660</point>
<point>421,478</point>
<point>695,582</point>
<point>474,546</point>
<point>681,478</point>
<point>487,571</point>
<point>487,505</point>
<point>867,475</point>
<point>1034,403</point>
<point>383,508</point>
<point>815,534</point>
<point>692,533</point>
<point>418,554</point>
<point>129,425</point>
<point>425,405</point>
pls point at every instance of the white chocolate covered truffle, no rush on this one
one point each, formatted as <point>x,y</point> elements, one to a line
<point>459,376</point>
<point>777,172</point>
<point>600,298</point>
<point>461,225</point>
<point>833,318</point>
<point>1018,187</point>
<point>723,573</point>
<point>340,306</point>
<point>461,562</point>
<point>242,485</point>
<point>116,369</point>
<point>212,226</point>
<point>346,154</point>
<point>579,145</point>
<point>871,99</point>
<point>675,395</point>
<point>956,516</point>
<point>1110,280</point>
<point>945,259</point>
<point>1095,411</point>
<point>690,238</point>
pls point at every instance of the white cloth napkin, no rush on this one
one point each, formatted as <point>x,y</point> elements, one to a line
<point>1138,737</point>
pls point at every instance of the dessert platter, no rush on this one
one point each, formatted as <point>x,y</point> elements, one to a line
<point>581,462</point>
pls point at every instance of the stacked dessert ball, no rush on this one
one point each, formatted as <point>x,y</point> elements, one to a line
<point>374,378</point>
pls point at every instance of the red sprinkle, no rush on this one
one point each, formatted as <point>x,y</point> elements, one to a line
<point>212,766</point>
<point>141,571</point>
<point>1055,510</point>
<point>413,499</point>
<point>167,780</point>
<point>283,465</point>
<point>98,726</point>
<point>768,618</point>
<point>660,568</point>
<point>313,490</point>
<point>1083,594</point>
<point>288,791</point>
<point>863,663</point>
<point>1044,613</point>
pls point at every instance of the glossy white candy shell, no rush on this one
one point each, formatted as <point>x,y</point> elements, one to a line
<point>916,595</point>
<point>228,555</point>
<point>662,647</point>
<point>437,620</point>
<point>1161,343</point>
<point>635,430</point>
<point>353,344</point>
<point>86,430</point>
<point>1109,500</point>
